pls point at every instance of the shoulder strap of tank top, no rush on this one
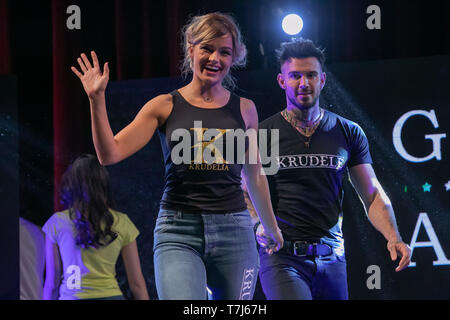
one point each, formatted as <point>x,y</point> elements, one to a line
<point>234,102</point>
<point>234,99</point>
<point>174,93</point>
<point>176,97</point>
<point>235,106</point>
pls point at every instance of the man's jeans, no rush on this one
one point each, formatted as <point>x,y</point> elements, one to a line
<point>193,251</point>
<point>285,276</point>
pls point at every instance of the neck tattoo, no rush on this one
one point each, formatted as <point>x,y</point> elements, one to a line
<point>306,129</point>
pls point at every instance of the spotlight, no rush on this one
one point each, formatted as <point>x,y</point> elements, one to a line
<point>292,24</point>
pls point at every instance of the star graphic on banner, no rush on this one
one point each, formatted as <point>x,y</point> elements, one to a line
<point>426,187</point>
<point>447,186</point>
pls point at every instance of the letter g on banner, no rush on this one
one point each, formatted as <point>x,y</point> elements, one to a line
<point>436,138</point>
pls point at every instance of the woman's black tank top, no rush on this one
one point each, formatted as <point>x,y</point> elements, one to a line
<point>201,183</point>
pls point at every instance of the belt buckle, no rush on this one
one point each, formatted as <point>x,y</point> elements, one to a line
<point>300,245</point>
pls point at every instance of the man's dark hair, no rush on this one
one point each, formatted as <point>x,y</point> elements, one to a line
<point>299,48</point>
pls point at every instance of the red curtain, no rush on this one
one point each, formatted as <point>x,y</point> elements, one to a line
<point>70,112</point>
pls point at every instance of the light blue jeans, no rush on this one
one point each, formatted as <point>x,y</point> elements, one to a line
<point>196,251</point>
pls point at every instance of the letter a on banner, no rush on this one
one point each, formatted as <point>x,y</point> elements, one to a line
<point>434,241</point>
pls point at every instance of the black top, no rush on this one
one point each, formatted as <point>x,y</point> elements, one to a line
<point>203,179</point>
<point>307,190</point>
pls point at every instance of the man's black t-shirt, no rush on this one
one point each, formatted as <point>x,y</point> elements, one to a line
<point>307,190</point>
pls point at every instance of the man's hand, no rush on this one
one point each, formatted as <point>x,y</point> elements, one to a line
<point>399,248</point>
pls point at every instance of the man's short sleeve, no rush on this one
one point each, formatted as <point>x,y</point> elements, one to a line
<point>359,152</point>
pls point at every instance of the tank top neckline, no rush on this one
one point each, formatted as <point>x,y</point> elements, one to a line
<point>196,107</point>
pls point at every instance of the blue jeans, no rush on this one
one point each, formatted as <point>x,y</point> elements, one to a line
<point>193,251</point>
<point>285,276</point>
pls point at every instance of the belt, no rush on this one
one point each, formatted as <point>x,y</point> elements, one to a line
<point>306,249</point>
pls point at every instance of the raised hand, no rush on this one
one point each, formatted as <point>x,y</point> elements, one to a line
<point>91,76</point>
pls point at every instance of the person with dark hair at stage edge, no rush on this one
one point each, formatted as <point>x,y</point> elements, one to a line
<point>204,235</point>
<point>88,237</point>
<point>316,147</point>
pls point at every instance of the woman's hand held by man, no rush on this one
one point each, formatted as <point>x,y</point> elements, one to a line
<point>271,240</point>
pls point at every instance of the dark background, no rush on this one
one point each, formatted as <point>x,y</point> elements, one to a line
<point>140,39</point>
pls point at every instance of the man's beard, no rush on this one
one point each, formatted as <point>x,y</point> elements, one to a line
<point>303,106</point>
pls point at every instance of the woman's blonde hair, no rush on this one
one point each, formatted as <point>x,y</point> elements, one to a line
<point>206,28</point>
